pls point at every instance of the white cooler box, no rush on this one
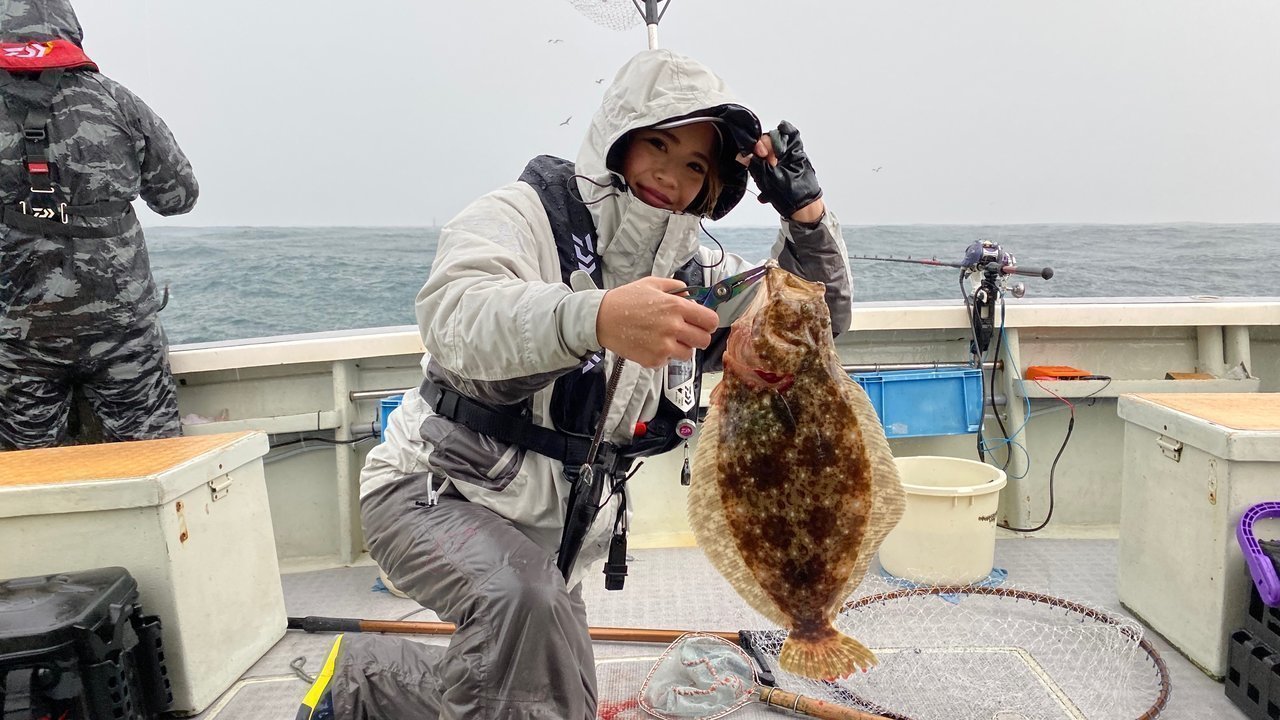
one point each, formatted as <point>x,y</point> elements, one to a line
<point>1193,463</point>
<point>187,517</point>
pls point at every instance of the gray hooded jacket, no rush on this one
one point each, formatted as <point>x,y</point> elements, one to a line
<point>500,325</point>
<point>107,146</point>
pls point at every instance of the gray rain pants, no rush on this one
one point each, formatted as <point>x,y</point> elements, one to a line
<point>522,648</point>
<point>123,373</point>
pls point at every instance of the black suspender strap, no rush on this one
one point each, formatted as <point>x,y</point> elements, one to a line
<point>35,137</point>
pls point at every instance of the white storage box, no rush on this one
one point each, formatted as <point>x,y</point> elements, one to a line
<point>187,517</point>
<point>1193,463</point>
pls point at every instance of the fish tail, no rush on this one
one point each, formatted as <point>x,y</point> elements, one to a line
<point>825,657</point>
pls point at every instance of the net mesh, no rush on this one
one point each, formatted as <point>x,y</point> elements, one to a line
<point>613,14</point>
<point>986,652</point>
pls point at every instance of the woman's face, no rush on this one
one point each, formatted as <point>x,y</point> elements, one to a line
<point>667,168</point>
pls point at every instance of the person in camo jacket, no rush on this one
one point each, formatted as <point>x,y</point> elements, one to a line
<point>78,305</point>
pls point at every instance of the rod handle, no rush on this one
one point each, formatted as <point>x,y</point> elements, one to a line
<point>316,624</point>
<point>812,707</point>
<point>1044,272</point>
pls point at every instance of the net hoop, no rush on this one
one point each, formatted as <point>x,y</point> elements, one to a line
<point>1128,631</point>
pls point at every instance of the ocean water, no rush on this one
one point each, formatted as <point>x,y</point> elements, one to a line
<point>243,282</point>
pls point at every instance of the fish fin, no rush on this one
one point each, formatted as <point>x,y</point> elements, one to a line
<point>834,656</point>
<point>888,499</point>
<point>712,533</point>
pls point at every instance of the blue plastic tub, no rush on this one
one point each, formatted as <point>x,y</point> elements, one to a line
<point>387,405</point>
<point>919,403</point>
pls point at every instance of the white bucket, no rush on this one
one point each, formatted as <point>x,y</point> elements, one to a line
<point>947,536</point>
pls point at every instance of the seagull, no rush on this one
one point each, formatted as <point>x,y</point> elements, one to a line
<point>553,41</point>
<point>600,81</point>
<point>566,120</point>
<point>876,169</point>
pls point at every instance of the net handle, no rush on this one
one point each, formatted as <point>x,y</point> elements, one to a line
<point>651,18</point>
<point>314,624</point>
<point>813,707</point>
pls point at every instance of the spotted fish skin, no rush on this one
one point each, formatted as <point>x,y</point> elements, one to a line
<point>794,486</point>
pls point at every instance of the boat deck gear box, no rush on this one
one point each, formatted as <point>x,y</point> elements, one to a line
<point>187,517</point>
<point>77,645</point>
<point>1193,464</point>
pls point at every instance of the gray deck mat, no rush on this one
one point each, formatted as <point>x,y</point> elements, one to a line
<point>656,596</point>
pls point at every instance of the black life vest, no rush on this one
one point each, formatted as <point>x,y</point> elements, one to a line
<point>577,399</point>
<point>46,211</point>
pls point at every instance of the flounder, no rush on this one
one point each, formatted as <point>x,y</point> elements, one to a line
<point>794,486</point>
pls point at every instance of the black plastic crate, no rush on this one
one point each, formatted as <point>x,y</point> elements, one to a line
<point>1253,676</point>
<point>76,645</point>
<point>1262,622</point>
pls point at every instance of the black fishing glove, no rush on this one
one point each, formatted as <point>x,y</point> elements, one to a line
<point>791,184</point>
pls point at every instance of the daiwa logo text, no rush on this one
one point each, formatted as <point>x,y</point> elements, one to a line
<point>28,51</point>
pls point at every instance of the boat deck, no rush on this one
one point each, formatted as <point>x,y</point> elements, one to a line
<point>678,589</point>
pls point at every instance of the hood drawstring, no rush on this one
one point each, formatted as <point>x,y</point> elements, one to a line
<point>573,190</point>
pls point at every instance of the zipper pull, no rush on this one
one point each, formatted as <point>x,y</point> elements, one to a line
<point>433,497</point>
<point>686,477</point>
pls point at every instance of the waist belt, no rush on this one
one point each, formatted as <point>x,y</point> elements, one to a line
<point>57,220</point>
<point>518,430</point>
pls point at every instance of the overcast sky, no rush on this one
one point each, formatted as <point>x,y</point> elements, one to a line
<point>400,112</point>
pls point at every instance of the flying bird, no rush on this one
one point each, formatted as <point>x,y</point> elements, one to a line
<point>876,169</point>
<point>566,120</point>
<point>554,41</point>
<point>600,81</point>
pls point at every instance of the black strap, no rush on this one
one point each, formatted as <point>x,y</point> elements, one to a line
<point>514,430</point>
<point>35,136</point>
<point>19,217</point>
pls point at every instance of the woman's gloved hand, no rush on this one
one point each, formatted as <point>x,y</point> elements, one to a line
<point>784,174</point>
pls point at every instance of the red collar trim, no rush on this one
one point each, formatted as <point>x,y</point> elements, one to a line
<point>49,55</point>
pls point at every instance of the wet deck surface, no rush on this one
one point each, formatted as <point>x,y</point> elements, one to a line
<point>677,589</point>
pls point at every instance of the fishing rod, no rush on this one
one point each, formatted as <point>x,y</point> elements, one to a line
<point>993,264</point>
<point>976,257</point>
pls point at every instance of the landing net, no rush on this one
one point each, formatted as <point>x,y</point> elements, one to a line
<point>613,14</point>
<point>956,652</point>
<point>948,653</point>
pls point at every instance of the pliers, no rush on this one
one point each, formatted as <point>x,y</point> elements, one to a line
<point>717,294</point>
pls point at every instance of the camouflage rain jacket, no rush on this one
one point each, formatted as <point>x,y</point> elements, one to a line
<point>107,146</point>
<point>500,325</point>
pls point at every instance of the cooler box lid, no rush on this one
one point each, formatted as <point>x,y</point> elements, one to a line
<point>110,476</point>
<point>1232,426</point>
<point>41,615</point>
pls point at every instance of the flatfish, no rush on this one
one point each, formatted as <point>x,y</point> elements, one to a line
<point>794,486</point>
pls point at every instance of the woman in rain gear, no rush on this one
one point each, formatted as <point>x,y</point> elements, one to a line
<point>537,290</point>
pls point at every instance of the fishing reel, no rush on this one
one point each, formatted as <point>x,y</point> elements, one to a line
<point>992,266</point>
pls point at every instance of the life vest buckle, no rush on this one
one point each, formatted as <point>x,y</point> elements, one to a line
<point>34,134</point>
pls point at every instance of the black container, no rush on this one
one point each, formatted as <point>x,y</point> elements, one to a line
<point>77,646</point>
